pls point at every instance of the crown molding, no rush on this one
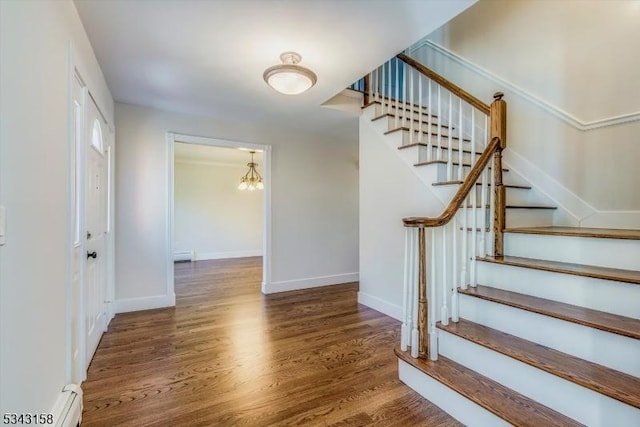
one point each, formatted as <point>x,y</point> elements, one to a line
<point>545,105</point>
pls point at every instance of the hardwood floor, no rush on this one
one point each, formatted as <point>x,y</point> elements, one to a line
<point>228,356</point>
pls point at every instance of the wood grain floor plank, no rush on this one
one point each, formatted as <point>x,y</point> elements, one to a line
<point>227,355</point>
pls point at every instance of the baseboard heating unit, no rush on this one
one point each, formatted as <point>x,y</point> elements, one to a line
<point>68,412</point>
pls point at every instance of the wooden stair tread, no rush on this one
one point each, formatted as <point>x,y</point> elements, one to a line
<point>522,187</point>
<point>501,401</point>
<point>606,381</point>
<point>424,144</point>
<point>530,206</point>
<point>442,162</point>
<point>444,137</point>
<point>603,233</point>
<point>393,101</point>
<point>605,273</point>
<point>425,120</point>
<point>601,320</point>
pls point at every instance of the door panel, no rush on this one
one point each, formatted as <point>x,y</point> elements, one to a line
<point>95,224</point>
<point>77,335</point>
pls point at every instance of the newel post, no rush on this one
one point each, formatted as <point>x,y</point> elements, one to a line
<point>423,338</point>
<point>498,128</point>
<point>366,88</point>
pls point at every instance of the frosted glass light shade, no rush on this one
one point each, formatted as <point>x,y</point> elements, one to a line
<point>289,78</point>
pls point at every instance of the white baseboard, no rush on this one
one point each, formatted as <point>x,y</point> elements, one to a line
<point>310,282</point>
<point>201,256</point>
<point>378,304</point>
<point>144,303</point>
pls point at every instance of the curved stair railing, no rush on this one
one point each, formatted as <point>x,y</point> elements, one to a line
<point>450,127</point>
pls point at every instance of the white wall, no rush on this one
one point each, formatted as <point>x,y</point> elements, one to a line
<point>389,191</point>
<point>211,216</point>
<point>34,133</point>
<point>314,200</point>
<point>564,67</point>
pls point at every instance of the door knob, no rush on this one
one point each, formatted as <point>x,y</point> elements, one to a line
<point>93,255</point>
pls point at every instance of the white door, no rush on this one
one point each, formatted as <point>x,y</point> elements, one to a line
<point>96,229</point>
<point>77,365</point>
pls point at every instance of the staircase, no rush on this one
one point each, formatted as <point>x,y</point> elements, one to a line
<point>508,318</point>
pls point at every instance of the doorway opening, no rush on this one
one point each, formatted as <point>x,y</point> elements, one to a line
<point>210,215</point>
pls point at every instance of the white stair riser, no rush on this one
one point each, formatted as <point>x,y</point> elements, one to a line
<point>615,253</point>
<point>392,124</point>
<point>465,411</point>
<point>587,343</point>
<point>517,196</point>
<point>401,107</point>
<point>444,155</point>
<point>568,398</point>
<point>408,114</point>
<point>603,295</point>
<point>515,217</point>
<point>507,177</point>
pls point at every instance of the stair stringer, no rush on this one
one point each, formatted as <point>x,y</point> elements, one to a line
<point>389,191</point>
<point>428,175</point>
<point>435,173</point>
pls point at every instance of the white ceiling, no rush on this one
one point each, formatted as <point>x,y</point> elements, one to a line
<point>214,155</point>
<point>207,57</point>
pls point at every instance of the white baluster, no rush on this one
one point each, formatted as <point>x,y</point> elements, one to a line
<point>485,210</point>
<point>404,96</point>
<point>384,90</point>
<point>397,84</point>
<point>486,131</point>
<point>454,269</point>
<point>439,150</point>
<point>465,249</point>
<point>406,295</point>
<point>474,235</point>
<point>376,90</point>
<point>420,107</point>
<point>411,103</point>
<point>450,147</point>
<point>473,138</point>
<point>444,311</point>
<point>389,87</point>
<point>415,340</point>
<point>433,331</point>
<point>429,122</point>
<point>460,142</point>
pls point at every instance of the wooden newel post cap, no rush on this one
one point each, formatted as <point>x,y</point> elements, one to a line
<point>498,96</point>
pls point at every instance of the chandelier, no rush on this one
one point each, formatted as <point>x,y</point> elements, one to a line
<point>252,179</point>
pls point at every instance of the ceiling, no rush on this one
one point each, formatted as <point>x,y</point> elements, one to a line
<point>214,155</point>
<point>207,57</point>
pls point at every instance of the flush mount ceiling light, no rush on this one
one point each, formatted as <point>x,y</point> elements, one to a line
<point>289,77</point>
<point>251,180</point>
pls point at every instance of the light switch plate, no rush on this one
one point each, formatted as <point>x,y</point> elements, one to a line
<point>3,224</point>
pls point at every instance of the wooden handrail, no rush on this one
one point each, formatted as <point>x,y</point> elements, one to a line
<point>453,88</point>
<point>462,192</point>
